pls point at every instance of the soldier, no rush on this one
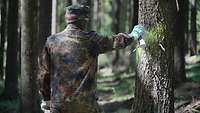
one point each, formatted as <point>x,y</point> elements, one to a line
<point>68,64</point>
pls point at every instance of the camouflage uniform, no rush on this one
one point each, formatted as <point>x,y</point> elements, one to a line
<point>67,58</point>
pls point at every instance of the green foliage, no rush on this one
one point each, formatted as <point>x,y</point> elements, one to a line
<point>120,85</point>
<point>106,19</point>
<point>103,60</point>
<point>193,72</point>
<point>60,16</point>
<point>153,38</point>
<point>154,35</point>
<point>126,85</point>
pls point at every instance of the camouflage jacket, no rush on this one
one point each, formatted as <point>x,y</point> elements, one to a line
<point>68,56</point>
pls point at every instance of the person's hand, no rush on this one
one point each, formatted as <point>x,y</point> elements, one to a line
<point>45,106</point>
<point>127,39</point>
<point>122,40</point>
<point>137,32</point>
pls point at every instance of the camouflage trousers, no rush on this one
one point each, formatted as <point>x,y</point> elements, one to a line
<point>77,105</point>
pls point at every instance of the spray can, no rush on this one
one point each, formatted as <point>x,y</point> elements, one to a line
<point>138,34</point>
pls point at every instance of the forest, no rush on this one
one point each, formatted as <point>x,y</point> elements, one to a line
<point>163,77</point>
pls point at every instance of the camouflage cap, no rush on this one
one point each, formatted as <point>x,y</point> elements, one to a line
<point>77,12</point>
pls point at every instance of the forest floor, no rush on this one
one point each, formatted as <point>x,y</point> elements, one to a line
<point>187,95</point>
<point>117,93</point>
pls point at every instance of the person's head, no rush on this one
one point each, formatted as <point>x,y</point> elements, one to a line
<point>78,15</point>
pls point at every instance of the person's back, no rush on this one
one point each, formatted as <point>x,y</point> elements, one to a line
<point>72,56</point>
<point>68,67</point>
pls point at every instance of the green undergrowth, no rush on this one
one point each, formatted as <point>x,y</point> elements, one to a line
<point>154,35</point>
<point>121,85</point>
<point>153,39</point>
<point>193,72</point>
<point>104,60</point>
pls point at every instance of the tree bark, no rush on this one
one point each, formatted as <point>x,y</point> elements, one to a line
<point>193,41</point>
<point>54,17</point>
<point>29,48</point>
<point>133,20</point>
<point>135,15</point>
<point>3,36</point>
<point>69,2</point>
<point>154,88</point>
<point>11,79</point>
<point>96,17</point>
<point>179,50</point>
<point>116,25</point>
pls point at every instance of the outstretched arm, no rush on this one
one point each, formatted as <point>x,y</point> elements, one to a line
<point>106,43</point>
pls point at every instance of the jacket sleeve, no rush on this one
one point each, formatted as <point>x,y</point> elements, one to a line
<point>109,43</point>
<point>44,74</point>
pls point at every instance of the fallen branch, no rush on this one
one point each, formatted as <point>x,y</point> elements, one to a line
<point>193,107</point>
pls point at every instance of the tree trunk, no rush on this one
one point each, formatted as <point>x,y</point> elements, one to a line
<point>135,15</point>
<point>74,1</point>
<point>187,34</point>
<point>53,21</point>
<point>11,80</point>
<point>96,17</point>
<point>69,2</point>
<point>116,25</point>
<point>154,88</point>
<point>193,41</point>
<point>3,36</point>
<point>45,9</point>
<point>29,48</point>
<point>133,20</point>
<point>179,53</point>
